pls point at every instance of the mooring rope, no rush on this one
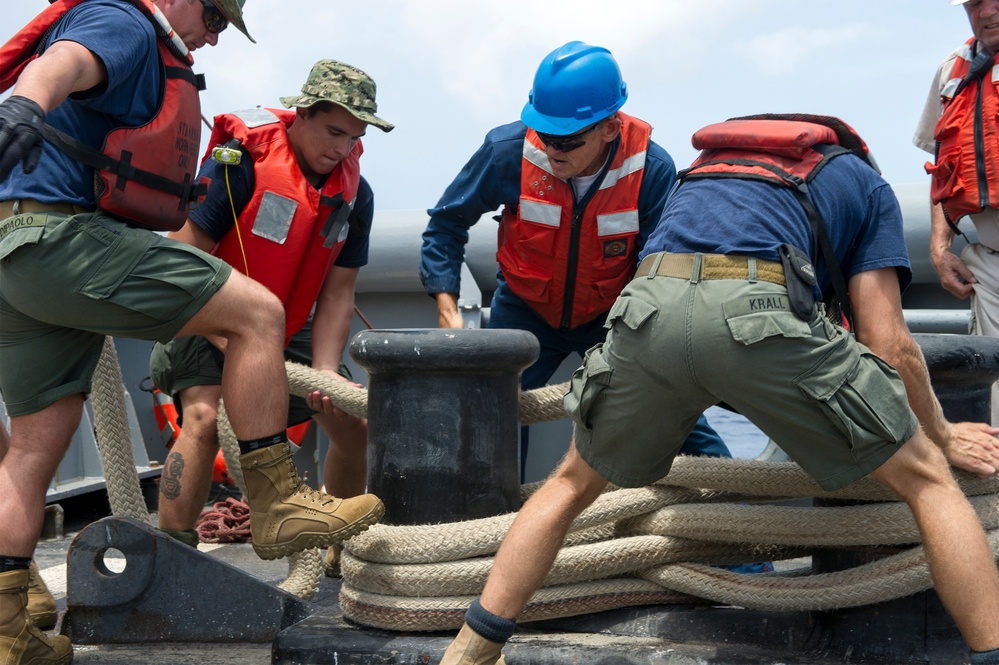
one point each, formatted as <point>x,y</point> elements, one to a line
<point>641,546</point>
<point>114,440</point>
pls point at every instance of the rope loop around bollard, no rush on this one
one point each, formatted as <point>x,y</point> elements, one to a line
<point>661,527</point>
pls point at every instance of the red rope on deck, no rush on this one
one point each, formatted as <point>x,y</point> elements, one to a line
<point>227,522</point>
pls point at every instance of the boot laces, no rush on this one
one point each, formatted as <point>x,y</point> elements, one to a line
<point>314,496</point>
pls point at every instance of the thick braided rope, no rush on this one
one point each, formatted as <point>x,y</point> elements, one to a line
<point>896,576</point>
<point>667,534</point>
<point>574,564</point>
<point>892,577</point>
<point>114,440</point>
<point>303,379</point>
<point>788,480</point>
<point>448,613</point>
<point>536,406</point>
<point>543,404</point>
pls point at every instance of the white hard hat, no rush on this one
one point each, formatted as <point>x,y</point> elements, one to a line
<point>958,2</point>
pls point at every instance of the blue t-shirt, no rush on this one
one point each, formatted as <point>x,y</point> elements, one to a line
<point>124,40</point>
<point>214,213</point>
<point>491,180</point>
<point>753,218</point>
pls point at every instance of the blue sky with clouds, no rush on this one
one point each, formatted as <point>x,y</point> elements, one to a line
<point>449,70</point>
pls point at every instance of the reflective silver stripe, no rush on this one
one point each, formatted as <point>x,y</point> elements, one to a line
<point>634,163</point>
<point>256,117</point>
<point>617,223</point>
<point>536,156</point>
<point>947,92</point>
<point>995,73</point>
<point>964,52</point>
<point>548,214</point>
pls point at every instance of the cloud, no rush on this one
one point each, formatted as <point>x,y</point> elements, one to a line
<point>484,55</point>
<point>782,52</point>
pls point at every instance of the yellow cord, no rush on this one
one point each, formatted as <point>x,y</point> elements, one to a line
<point>235,219</point>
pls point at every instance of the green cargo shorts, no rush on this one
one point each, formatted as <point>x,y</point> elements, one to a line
<point>193,361</point>
<point>676,347</point>
<point>67,281</point>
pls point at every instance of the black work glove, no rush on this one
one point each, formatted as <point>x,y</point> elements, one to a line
<point>21,121</point>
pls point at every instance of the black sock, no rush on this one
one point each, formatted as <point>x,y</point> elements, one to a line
<point>490,626</point>
<point>257,444</point>
<point>985,657</point>
<point>9,563</point>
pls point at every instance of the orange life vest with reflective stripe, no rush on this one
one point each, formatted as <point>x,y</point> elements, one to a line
<point>145,175</point>
<point>966,172</point>
<point>289,234</point>
<point>569,264</point>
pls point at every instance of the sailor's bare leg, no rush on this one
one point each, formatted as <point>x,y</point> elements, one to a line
<point>345,470</point>
<point>530,547</point>
<point>37,443</point>
<point>250,319</point>
<point>961,562</point>
<point>186,480</point>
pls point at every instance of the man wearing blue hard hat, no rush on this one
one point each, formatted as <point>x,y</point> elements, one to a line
<point>581,185</point>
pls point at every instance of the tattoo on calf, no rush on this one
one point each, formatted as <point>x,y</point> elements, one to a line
<point>170,479</point>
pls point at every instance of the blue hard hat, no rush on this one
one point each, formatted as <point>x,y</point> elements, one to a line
<point>576,85</point>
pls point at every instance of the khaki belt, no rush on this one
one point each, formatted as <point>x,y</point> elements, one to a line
<point>30,205</point>
<point>713,266</point>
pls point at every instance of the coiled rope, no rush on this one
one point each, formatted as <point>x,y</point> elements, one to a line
<point>649,545</point>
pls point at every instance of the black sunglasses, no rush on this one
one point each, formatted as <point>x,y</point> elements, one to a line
<point>214,19</point>
<point>567,143</point>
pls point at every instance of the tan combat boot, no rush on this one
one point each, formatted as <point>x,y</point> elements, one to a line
<point>21,642</point>
<point>287,516</point>
<point>41,602</point>
<point>470,648</point>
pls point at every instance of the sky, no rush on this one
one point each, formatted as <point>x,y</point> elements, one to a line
<point>448,71</point>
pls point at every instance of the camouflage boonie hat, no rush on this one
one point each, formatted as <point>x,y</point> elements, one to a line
<point>346,86</point>
<point>233,11</point>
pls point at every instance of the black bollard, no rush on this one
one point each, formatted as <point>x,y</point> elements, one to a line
<point>443,420</point>
<point>962,371</point>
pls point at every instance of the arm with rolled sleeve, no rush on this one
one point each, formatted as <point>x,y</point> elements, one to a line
<point>489,180</point>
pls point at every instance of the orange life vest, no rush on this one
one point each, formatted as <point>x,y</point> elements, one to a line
<point>569,264</point>
<point>289,234</point>
<point>966,172</point>
<point>782,148</point>
<point>145,175</point>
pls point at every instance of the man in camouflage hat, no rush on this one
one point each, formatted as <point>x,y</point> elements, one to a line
<point>292,179</point>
